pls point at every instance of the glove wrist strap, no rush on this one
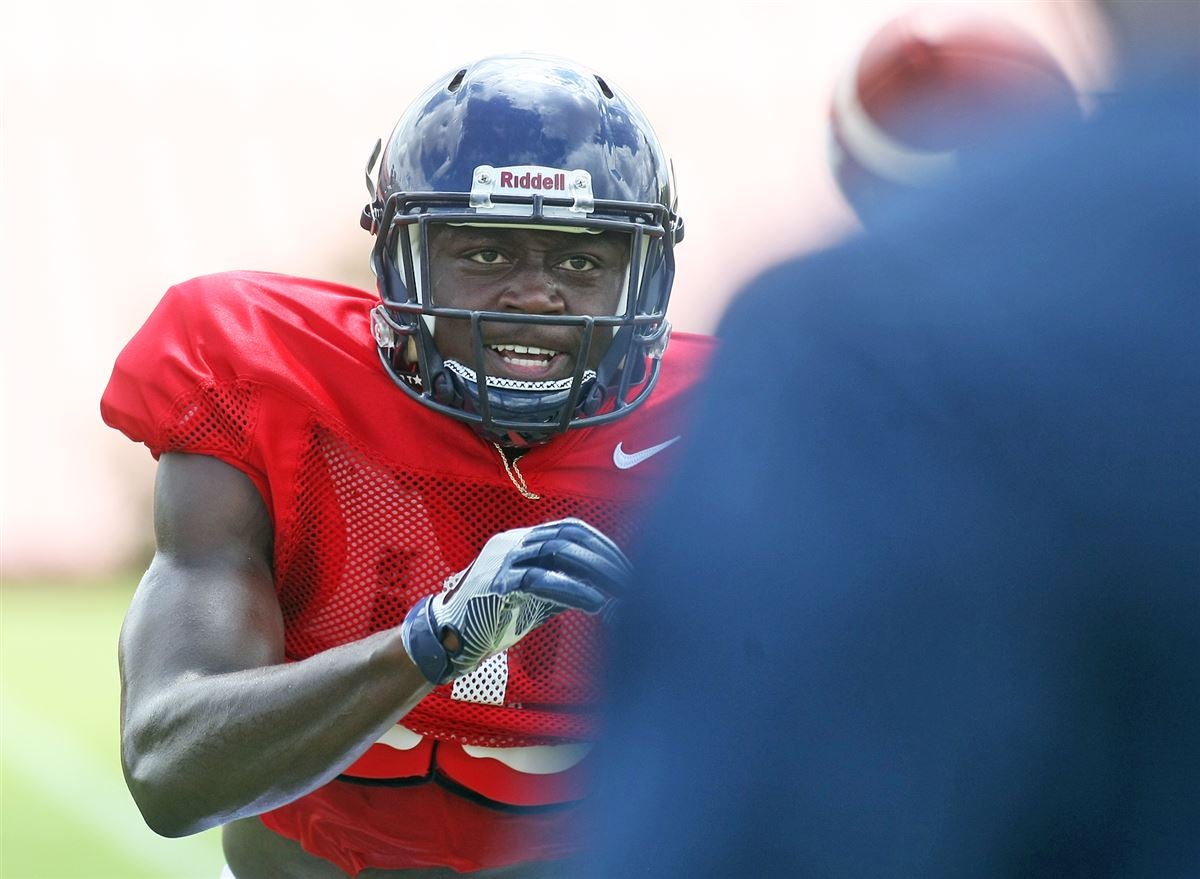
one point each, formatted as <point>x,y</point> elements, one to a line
<point>423,643</point>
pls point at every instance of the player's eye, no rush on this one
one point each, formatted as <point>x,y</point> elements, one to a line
<point>487,257</point>
<point>578,263</point>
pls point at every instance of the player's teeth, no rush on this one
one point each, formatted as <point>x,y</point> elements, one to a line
<point>524,349</point>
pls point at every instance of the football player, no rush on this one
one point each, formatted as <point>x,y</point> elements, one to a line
<point>958,580</point>
<point>388,526</point>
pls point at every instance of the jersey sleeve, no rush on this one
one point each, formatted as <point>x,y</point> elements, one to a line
<point>176,386</point>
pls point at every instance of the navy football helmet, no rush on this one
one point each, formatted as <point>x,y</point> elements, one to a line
<point>527,142</point>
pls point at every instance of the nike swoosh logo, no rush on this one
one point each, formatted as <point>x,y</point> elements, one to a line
<point>624,460</point>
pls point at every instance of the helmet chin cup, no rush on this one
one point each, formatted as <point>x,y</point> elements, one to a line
<point>517,413</point>
<point>489,162</point>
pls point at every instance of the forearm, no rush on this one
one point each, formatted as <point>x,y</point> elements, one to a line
<point>211,748</point>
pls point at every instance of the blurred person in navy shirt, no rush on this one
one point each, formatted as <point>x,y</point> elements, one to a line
<point>924,599</point>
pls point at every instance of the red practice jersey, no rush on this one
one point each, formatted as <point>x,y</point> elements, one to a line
<point>375,500</point>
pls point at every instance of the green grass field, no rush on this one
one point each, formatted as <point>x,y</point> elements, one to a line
<point>64,810</point>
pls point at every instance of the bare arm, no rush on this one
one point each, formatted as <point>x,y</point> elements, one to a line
<point>214,726</point>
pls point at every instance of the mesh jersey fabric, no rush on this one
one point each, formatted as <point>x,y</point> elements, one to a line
<point>374,498</point>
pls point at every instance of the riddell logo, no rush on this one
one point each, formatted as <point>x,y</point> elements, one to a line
<point>529,180</point>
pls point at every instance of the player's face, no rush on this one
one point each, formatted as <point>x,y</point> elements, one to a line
<point>525,271</point>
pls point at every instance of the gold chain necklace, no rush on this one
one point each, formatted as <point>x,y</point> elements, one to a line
<point>515,476</point>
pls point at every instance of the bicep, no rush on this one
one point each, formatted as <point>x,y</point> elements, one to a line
<point>207,604</point>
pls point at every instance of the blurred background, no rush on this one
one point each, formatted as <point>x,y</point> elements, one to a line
<point>143,142</point>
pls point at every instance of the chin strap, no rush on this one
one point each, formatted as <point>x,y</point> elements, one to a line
<point>533,409</point>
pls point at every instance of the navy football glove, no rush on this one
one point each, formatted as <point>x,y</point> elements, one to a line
<point>521,579</point>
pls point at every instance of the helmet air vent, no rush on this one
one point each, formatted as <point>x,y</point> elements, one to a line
<point>454,83</point>
<point>608,93</point>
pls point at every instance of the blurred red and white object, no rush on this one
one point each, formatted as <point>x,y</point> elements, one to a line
<point>930,85</point>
